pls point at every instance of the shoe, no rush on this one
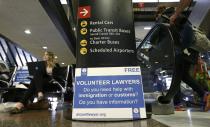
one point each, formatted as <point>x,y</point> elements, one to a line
<point>15,111</point>
<point>162,100</point>
<point>207,101</point>
<point>40,105</point>
<point>180,107</point>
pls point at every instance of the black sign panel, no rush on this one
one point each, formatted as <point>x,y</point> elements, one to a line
<point>105,32</point>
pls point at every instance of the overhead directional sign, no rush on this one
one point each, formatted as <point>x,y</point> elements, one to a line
<point>107,26</point>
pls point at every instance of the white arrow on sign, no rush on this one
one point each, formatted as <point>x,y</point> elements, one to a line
<point>84,12</point>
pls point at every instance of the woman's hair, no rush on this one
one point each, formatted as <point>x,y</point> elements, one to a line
<point>51,59</point>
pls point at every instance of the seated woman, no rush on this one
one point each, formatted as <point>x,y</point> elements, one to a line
<point>39,83</point>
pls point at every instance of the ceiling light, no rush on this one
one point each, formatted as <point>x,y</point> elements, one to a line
<point>147,28</point>
<point>63,1</point>
<point>137,1</point>
<point>55,57</point>
<point>62,63</point>
<point>44,47</point>
<point>27,31</point>
<point>151,1</point>
<point>166,56</point>
<point>169,0</point>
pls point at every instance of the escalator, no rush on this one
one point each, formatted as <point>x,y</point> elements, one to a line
<point>154,54</point>
<point>157,48</point>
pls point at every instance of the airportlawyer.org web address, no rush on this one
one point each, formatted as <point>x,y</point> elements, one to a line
<point>91,114</point>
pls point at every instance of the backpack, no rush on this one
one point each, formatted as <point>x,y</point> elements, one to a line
<point>201,43</point>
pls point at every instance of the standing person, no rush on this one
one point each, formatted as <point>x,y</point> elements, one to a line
<point>201,73</point>
<point>40,82</point>
<point>183,61</point>
<point>162,14</point>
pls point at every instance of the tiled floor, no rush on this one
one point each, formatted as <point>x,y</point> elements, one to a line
<point>56,119</point>
<point>52,118</point>
<point>189,118</point>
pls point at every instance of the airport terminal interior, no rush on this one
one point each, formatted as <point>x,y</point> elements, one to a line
<point>35,30</point>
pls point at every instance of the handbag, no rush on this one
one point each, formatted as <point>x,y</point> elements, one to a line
<point>201,42</point>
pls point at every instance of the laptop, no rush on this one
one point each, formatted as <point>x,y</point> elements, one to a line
<point>38,67</point>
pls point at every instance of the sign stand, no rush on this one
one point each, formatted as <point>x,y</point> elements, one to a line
<point>108,82</point>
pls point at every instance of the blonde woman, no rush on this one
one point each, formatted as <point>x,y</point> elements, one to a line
<point>40,83</point>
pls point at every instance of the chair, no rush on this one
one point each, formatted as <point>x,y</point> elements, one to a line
<point>7,82</point>
<point>3,66</point>
<point>61,80</point>
<point>9,91</point>
<point>58,85</point>
<point>4,71</point>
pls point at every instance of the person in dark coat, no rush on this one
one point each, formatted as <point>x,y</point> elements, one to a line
<point>183,60</point>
